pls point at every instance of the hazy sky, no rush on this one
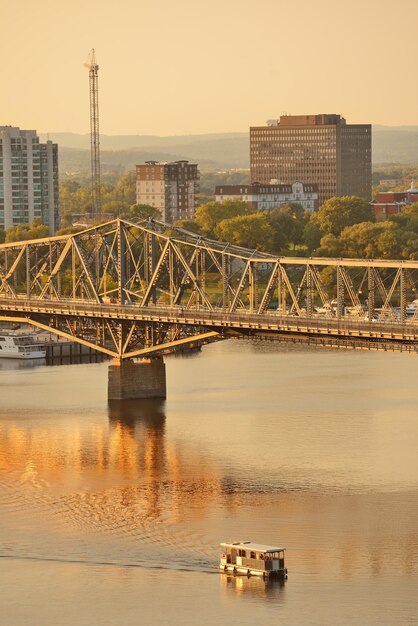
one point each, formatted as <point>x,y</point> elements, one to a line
<point>192,66</point>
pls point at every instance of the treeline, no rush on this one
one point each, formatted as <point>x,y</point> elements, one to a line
<point>117,196</point>
<point>209,179</point>
<point>393,177</point>
<point>343,226</point>
<point>119,192</point>
<point>23,232</point>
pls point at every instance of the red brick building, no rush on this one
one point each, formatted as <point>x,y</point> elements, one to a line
<point>389,203</point>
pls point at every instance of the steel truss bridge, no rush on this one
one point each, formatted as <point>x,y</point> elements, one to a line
<point>141,289</point>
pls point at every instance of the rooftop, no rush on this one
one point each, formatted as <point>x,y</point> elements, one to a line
<point>254,547</point>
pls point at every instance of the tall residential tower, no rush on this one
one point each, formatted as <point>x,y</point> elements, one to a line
<point>28,179</point>
<point>170,187</point>
<point>314,149</point>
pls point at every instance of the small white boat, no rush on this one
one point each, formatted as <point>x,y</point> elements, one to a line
<point>245,557</point>
<point>411,309</point>
<point>15,345</point>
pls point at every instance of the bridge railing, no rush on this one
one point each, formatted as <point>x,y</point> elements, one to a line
<point>201,316</point>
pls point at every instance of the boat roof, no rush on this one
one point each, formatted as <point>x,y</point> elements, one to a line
<point>249,545</point>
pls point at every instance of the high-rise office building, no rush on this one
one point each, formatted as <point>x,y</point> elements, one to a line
<point>28,179</point>
<point>170,187</point>
<point>314,149</point>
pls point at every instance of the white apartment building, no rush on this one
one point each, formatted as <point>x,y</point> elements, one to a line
<point>28,179</point>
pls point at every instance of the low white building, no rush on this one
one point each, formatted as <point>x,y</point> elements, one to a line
<point>264,197</point>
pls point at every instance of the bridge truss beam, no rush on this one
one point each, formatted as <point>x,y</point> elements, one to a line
<point>151,265</point>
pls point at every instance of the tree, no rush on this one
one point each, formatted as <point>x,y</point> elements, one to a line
<point>408,218</point>
<point>189,225</point>
<point>143,212</point>
<point>209,215</point>
<point>370,240</point>
<point>2,235</point>
<point>409,245</point>
<point>209,179</point>
<point>280,222</point>
<point>367,240</point>
<point>329,277</point>
<point>339,212</point>
<point>330,246</point>
<point>125,188</point>
<point>312,235</point>
<point>115,208</point>
<point>287,222</point>
<point>117,198</point>
<point>249,231</point>
<point>23,232</point>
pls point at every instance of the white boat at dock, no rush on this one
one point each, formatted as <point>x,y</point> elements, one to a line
<point>245,557</point>
<point>20,345</point>
<point>411,309</point>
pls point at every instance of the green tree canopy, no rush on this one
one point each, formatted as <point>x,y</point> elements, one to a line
<point>371,240</point>
<point>362,240</point>
<point>189,225</point>
<point>407,218</point>
<point>339,212</point>
<point>287,223</point>
<point>117,198</point>
<point>330,246</point>
<point>209,215</point>
<point>142,212</point>
<point>115,208</point>
<point>23,232</point>
<point>250,231</point>
<point>125,189</point>
<point>312,235</point>
<point>209,179</point>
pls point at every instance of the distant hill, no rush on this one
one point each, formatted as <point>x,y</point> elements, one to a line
<point>395,144</point>
<point>221,151</point>
<point>226,150</point>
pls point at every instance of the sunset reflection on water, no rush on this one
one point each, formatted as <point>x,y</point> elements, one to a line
<point>157,485</point>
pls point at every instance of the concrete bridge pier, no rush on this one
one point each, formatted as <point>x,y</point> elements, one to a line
<point>132,379</point>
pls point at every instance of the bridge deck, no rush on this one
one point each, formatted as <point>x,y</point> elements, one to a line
<point>218,320</point>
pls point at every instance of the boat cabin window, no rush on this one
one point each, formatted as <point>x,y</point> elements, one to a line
<point>22,341</point>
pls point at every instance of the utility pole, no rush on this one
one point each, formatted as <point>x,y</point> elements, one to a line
<point>94,133</point>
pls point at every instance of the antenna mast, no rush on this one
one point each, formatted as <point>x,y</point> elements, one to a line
<point>94,132</point>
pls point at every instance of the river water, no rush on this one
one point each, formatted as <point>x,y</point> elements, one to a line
<point>112,515</point>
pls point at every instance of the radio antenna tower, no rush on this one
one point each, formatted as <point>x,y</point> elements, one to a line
<point>94,132</point>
